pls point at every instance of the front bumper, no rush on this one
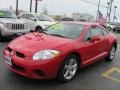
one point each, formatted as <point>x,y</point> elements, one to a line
<point>34,69</point>
<point>13,32</point>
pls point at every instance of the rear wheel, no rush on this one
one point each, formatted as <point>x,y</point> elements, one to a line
<point>114,29</point>
<point>68,69</point>
<point>111,55</point>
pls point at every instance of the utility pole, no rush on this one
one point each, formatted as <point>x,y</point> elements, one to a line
<point>114,13</point>
<point>36,5</point>
<point>108,7</point>
<point>98,10</point>
<point>30,6</point>
<point>16,7</point>
<point>111,2</point>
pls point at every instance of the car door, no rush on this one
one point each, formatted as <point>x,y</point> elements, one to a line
<point>92,50</point>
<point>105,37</point>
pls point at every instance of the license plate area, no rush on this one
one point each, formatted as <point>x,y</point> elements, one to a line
<point>8,60</point>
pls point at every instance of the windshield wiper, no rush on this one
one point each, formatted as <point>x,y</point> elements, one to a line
<point>57,35</point>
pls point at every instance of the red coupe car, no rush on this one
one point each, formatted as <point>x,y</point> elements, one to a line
<point>60,50</point>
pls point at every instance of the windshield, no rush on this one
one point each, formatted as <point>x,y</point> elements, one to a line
<point>65,30</point>
<point>7,14</point>
<point>44,18</point>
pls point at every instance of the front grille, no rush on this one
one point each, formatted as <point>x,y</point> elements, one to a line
<point>18,68</point>
<point>18,54</point>
<point>9,49</point>
<point>21,55</point>
<point>18,26</point>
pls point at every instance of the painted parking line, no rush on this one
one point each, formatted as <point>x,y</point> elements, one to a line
<point>108,74</point>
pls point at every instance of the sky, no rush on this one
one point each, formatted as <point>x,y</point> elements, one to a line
<point>56,7</point>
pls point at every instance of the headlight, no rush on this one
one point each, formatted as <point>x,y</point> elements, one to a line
<point>9,25</point>
<point>45,54</point>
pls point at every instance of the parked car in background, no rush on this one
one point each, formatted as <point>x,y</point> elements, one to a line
<point>110,26</point>
<point>10,25</point>
<point>60,51</point>
<point>117,28</point>
<point>37,22</point>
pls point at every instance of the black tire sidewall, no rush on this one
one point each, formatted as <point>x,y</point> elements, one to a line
<point>38,29</point>
<point>108,57</point>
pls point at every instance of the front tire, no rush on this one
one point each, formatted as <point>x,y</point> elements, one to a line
<point>38,29</point>
<point>68,69</point>
<point>111,55</point>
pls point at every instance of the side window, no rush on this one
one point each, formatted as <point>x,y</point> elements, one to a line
<point>31,17</point>
<point>87,37</point>
<point>24,16</point>
<point>104,32</point>
<point>96,31</point>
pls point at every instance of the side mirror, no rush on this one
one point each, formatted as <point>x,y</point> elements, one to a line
<point>95,38</point>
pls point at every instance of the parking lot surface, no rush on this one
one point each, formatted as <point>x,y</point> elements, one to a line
<point>99,76</point>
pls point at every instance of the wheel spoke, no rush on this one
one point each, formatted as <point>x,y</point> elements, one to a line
<point>74,66</point>
<point>66,73</point>
<point>71,73</point>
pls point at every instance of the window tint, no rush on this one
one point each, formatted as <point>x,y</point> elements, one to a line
<point>7,14</point>
<point>24,16</point>
<point>70,30</point>
<point>44,18</point>
<point>104,32</point>
<point>30,17</point>
<point>96,31</point>
<point>87,37</point>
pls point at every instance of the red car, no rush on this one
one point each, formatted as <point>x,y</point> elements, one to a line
<point>60,50</point>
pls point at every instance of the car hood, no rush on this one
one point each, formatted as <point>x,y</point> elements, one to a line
<point>11,20</point>
<point>31,43</point>
<point>47,22</point>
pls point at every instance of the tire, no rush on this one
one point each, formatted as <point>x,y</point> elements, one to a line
<point>114,30</point>
<point>38,29</point>
<point>1,37</point>
<point>68,69</point>
<point>111,55</point>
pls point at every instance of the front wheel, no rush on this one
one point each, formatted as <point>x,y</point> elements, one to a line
<point>38,29</point>
<point>68,69</point>
<point>111,55</point>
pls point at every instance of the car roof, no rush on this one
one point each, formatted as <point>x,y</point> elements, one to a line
<point>83,23</point>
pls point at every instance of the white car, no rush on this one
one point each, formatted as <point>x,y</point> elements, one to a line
<point>10,25</point>
<point>37,22</point>
<point>110,26</point>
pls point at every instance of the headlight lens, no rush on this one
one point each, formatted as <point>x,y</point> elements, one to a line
<point>9,25</point>
<point>45,54</point>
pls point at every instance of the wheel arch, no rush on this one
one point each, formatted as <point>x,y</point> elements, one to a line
<point>38,26</point>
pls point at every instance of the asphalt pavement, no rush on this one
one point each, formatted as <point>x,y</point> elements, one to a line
<point>99,76</point>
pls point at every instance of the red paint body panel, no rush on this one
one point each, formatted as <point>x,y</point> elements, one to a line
<point>29,45</point>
